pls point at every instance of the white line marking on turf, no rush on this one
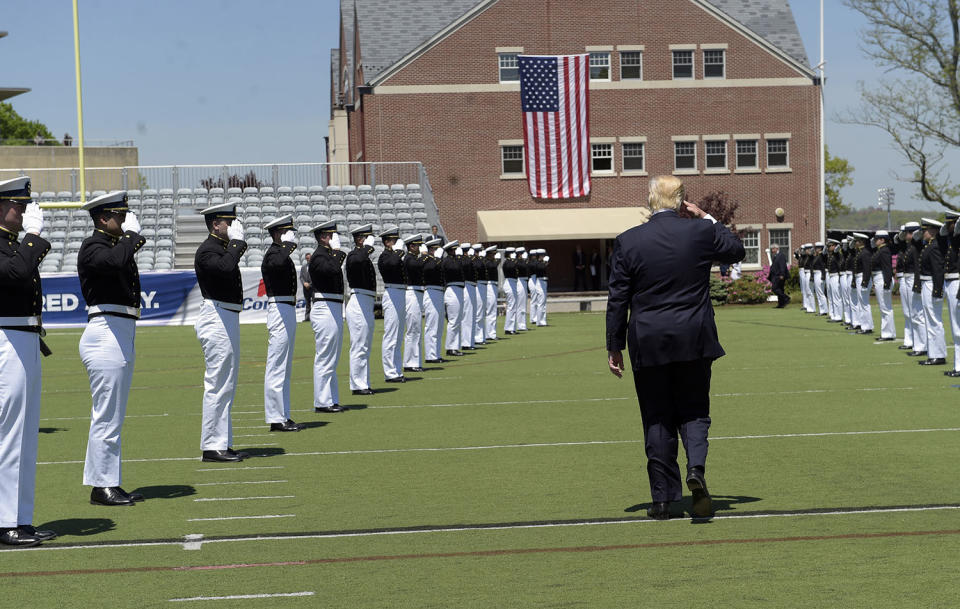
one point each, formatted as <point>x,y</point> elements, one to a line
<point>237,597</point>
<point>231,469</point>
<point>242,517</point>
<point>251,427</point>
<point>87,418</point>
<point>256,435</point>
<point>245,445</point>
<point>581,400</point>
<point>253,482</point>
<point>192,541</point>
<point>245,498</point>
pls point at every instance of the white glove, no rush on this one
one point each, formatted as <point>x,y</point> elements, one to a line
<point>130,223</point>
<point>235,231</point>
<point>497,256</point>
<point>335,241</point>
<point>369,241</point>
<point>459,251</point>
<point>438,253</point>
<point>32,219</point>
<point>525,256</point>
<point>513,256</point>
<point>289,237</point>
<point>423,249</point>
<point>546,258</point>
<point>470,252</point>
<point>399,246</point>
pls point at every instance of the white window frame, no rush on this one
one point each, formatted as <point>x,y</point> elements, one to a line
<point>503,160</point>
<point>673,64</point>
<point>756,154</point>
<point>706,155</point>
<point>639,65</point>
<point>682,170</point>
<point>723,64</point>
<point>786,249</point>
<point>590,65</point>
<point>770,140</point>
<point>500,67</point>
<point>593,158</point>
<point>746,236</point>
<point>643,158</point>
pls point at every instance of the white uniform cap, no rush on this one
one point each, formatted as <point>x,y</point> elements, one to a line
<point>282,221</point>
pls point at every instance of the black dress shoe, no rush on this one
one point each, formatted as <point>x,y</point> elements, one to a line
<point>334,408</point>
<point>42,535</point>
<point>916,353</point>
<point>509,332</point>
<point>287,425</point>
<point>864,331</point>
<point>135,497</point>
<point>454,353</point>
<point>413,369</point>
<point>905,348</point>
<point>933,361</point>
<point>396,379</point>
<point>238,453</point>
<point>16,537</point>
<point>111,495</point>
<point>435,361</point>
<point>214,456</point>
<point>468,348</point>
<point>883,340</point>
<point>362,392</point>
<point>660,510</point>
<point>953,373</point>
<point>702,504</point>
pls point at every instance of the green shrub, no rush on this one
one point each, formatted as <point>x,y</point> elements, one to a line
<point>718,291</point>
<point>749,289</point>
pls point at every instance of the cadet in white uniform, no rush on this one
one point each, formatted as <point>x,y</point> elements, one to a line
<point>491,263</point>
<point>280,282</point>
<point>949,240</point>
<point>326,316</point>
<point>394,303</point>
<point>863,277</point>
<point>110,282</point>
<point>932,279</point>
<point>882,269</point>
<point>464,255</point>
<point>413,265</point>
<point>480,295</point>
<point>510,290</point>
<point>433,310</point>
<point>217,264</point>
<point>452,295</point>
<point>20,349</point>
<point>523,275</point>
<point>362,279</point>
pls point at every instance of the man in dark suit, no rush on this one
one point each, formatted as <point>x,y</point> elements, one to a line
<point>579,270</point>
<point>778,275</point>
<point>661,276</point>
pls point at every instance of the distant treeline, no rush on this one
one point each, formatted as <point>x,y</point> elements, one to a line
<point>873,219</point>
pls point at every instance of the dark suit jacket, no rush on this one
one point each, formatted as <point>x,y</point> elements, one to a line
<point>778,268</point>
<point>661,274</point>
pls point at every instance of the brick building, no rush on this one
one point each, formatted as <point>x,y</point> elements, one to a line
<point>720,93</point>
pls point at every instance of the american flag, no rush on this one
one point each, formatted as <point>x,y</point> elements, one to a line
<point>556,131</point>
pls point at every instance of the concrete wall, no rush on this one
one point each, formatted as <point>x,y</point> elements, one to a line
<point>15,158</point>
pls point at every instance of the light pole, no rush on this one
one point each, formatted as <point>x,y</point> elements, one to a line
<point>885,197</point>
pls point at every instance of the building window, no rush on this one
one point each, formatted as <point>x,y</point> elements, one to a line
<point>778,154</point>
<point>511,158</point>
<point>751,244</point>
<point>714,63</point>
<point>602,158</point>
<point>685,155</point>
<point>509,67</point>
<point>631,65</point>
<point>746,154</point>
<point>781,237</point>
<point>682,64</point>
<point>600,66</point>
<point>633,157</point>
<point>717,155</point>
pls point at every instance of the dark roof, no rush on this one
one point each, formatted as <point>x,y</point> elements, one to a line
<point>771,19</point>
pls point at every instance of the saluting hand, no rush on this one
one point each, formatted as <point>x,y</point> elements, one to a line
<point>693,209</point>
<point>615,362</point>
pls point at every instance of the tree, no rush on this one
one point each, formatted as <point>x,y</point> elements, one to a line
<point>920,40</point>
<point>838,171</point>
<point>16,130</point>
<point>234,181</point>
<point>718,204</point>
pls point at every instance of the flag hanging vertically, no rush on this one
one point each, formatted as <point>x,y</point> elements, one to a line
<point>556,132</point>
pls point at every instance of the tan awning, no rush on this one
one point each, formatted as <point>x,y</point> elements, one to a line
<point>556,224</point>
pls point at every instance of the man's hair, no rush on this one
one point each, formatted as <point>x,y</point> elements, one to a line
<point>666,192</point>
<point>774,246</point>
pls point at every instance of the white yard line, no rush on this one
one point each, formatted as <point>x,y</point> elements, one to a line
<point>242,517</point>
<point>230,483</point>
<point>233,469</point>
<point>245,498</point>
<point>192,541</point>
<point>237,597</point>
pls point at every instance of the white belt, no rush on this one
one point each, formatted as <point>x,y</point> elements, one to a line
<point>364,292</point>
<point>114,308</point>
<point>435,288</point>
<point>952,276</point>
<point>229,306</point>
<point>833,274</point>
<point>20,321</point>
<point>900,275</point>
<point>324,296</point>
<point>282,299</point>
<point>414,288</point>
<point>926,277</point>
<point>395,286</point>
<point>455,284</point>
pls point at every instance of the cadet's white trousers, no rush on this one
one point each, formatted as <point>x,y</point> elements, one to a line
<point>906,306</point>
<point>218,330</point>
<point>453,304</point>
<point>467,317</point>
<point>326,318</point>
<point>480,312</point>
<point>360,325</point>
<point>855,299</point>
<point>805,290</point>
<point>950,293</point>
<point>394,303</point>
<point>433,323</point>
<point>821,297</point>
<point>412,354</point>
<point>845,302</point>
<point>522,303</point>
<point>510,291</point>
<point>933,317</point>
<point>282,330</point>
<point>866,313</point>
<point>919,319</point>
<point>888,329</point>
<point>835,300</point>
<point>490,314</point>
<point>19,425</point>
<point>107,352</point>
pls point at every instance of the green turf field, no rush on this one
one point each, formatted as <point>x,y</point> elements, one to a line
<point>512,477</point>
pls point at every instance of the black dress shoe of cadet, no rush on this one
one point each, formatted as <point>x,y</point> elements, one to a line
<point>468,348</point>
<point>905,348</point>
<point>110,495</point>
<point>29,529</point>
<point>933,361</point>
<point>135,497</point>
<point>702,504</point>
<point>953,373</point>
<point>16,537</point>
<point>367,391</point>
<point>864,331</point>
<point>883,340</point>
<point>213,456</point>
<point>238,453</point>
<point>454,353</point>
<point>413,369</point>
<point>916,353</point>
<point>334,408</point>
<point>660,510</point>
<point>287,425</point>
<point>396,379</point>
<point>435,361</point>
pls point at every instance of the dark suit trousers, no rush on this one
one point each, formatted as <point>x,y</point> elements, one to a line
<point>308,297</point>
<point>673,398</point>
<point>776,285</point>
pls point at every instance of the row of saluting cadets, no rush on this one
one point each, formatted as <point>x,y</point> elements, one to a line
<point>425,285</point>
<point>836,281</point>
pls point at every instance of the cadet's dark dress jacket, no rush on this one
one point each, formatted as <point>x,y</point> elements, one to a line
<point>661,276</point>
<point>910,256</point>
<point>279,272</point>
<point>509,268</point>
<point>217,264</point>
<point>432,274</point>
<point>108,271</point>
<point>523,270</point>
<point>467,269</point>
<point>413,267</point>
<point>818,264</point>
<point>479,268</point>
<point>865,266</point>
<point>392,269</point>
<point>932,265</point>
<point>542,271</point>
<point>834,261</point>
<point>882,261</point>
<point>326,273</point>
<point>20,277</point>
<point>949,247</point>
<point>360,273</point>
<point>452,271</point>
<point>491,266</point>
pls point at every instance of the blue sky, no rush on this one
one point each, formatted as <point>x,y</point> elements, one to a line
<point>242,81</point>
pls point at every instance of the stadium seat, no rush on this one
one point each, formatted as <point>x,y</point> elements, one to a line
<point>354,218</point>
<point>133,193</point>
<point>348,189</point>
<point>233,191</point>
<point>303,219</point>
<point>165,192</point>
<point>251,219</point>
<point>413,188</point>
<point>200,192</point>
<point>419,215</point>
<point>300,190</point>
<point>422,226</point>
<point>251,190</point>
<point>382,189</point>
<point>217,192</point>
<point>315,190</point>
<point>397,189</point>
<point>251,208</point>
<point>417,206</point>
<point>253,241</point>
<point>371,217</point>
<point>407,226</point>
<point>266,190</point>
<point>332,189</point>
<point>364,189</point>
<point>284,190</point>
<point>404,215</point>
<point>388,216</point>
<point>200,203</point>
<point>306,209</point>
<point>50,196</point>
<point>148,232</point>
<point>319,219</point>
